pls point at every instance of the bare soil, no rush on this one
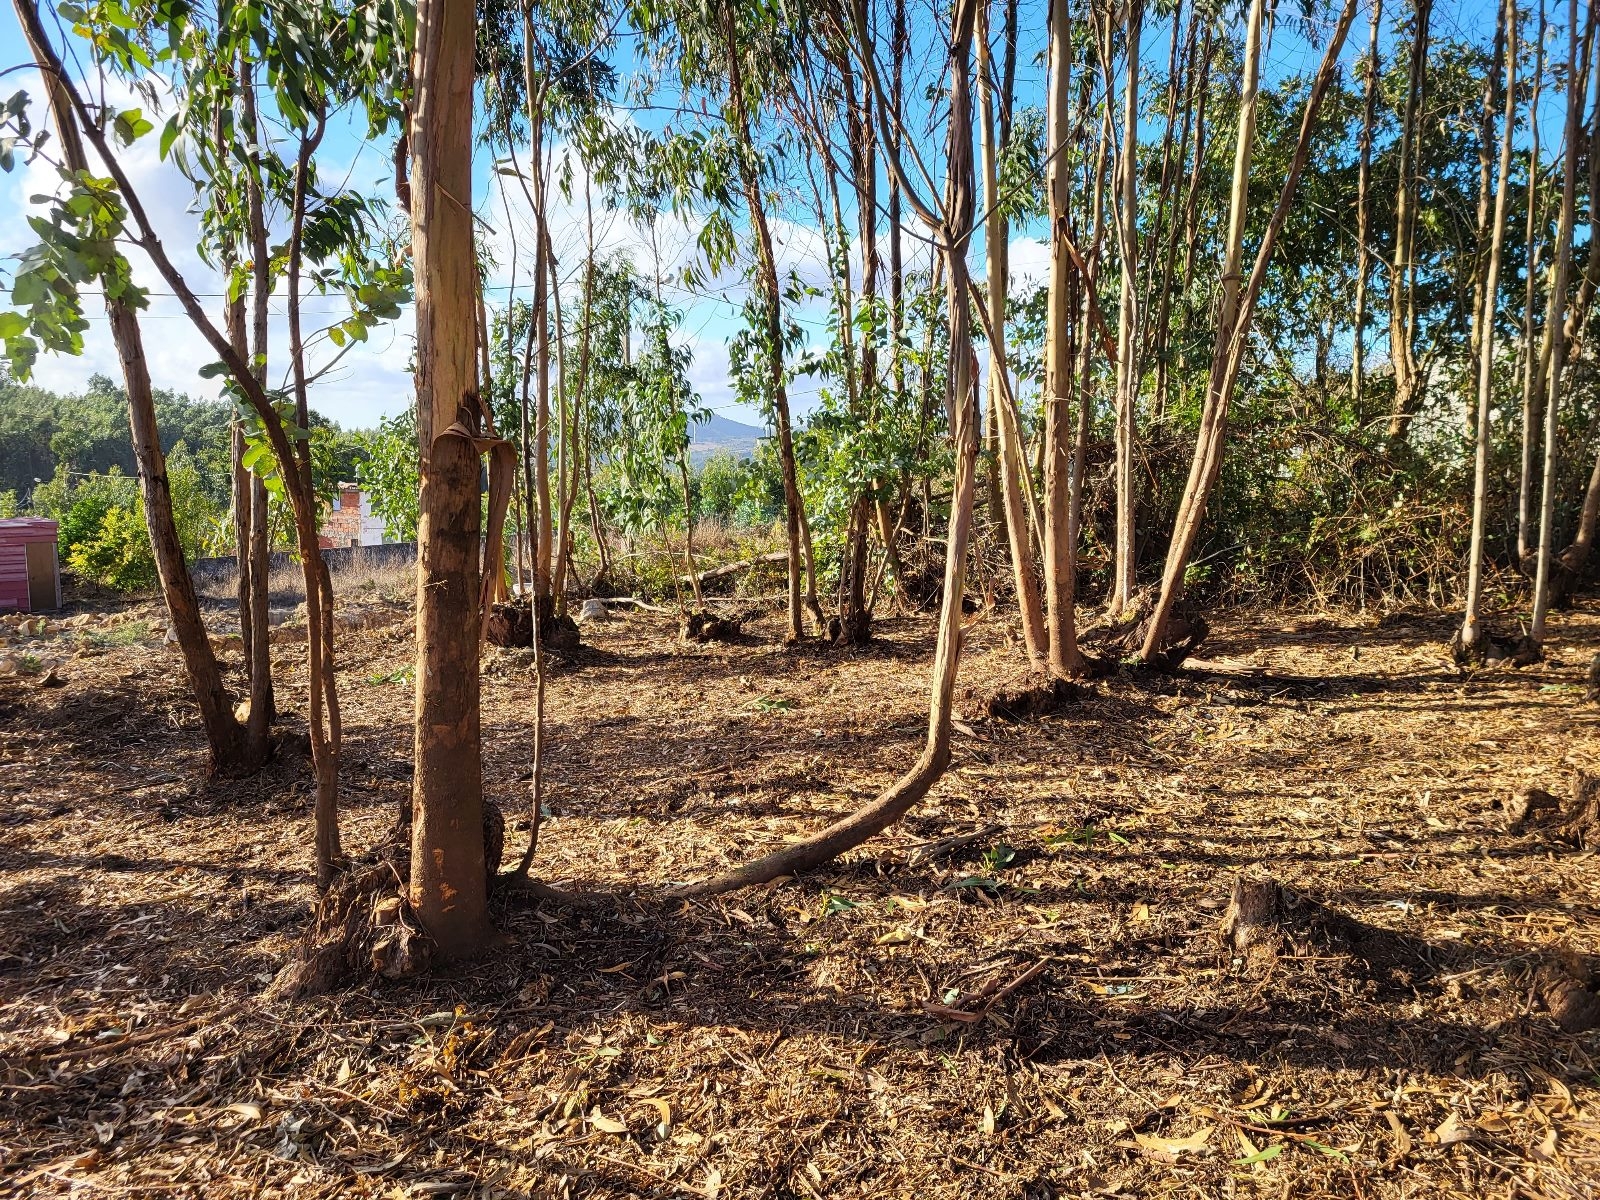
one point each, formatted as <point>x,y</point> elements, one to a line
<point>1021,991</point>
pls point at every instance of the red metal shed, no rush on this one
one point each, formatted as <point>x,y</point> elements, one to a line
<point>30,575</point>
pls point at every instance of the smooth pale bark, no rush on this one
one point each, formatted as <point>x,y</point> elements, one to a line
<point>1485,339</point>
<point>1556,332</point>
<point>953,231</point>
<point>1369,115</point>
<point>1009,436</point>
<point>230,750</point>
<point>1161,344</point>
<point>799,565</point>
<point>1530,391</point>
<point>1480,256</point>
<point>1236,311</point>
<point>1402,298</point>
<point>322,723</point>
<point>1085,388</point>
<point>1060,534</point>
<point>1123,569</point>
<point>1191,207</point>
<point>448,889</point>
<point>263,702</point>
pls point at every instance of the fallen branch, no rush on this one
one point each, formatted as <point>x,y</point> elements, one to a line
<point>733,568</point>
<point>988,995</point>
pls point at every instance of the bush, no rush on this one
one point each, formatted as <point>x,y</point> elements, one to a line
<point>117,553</point>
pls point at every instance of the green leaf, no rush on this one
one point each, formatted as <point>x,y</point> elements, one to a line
<point>169,135</point>
<point>11,324</point>
<point>1261,1156</point>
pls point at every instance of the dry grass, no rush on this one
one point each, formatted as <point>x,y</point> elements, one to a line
<point>779,1043</point>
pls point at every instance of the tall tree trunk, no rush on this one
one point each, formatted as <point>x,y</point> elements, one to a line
<point>231,752</point>
<point>1191,204</point>
<point>1125,566</point>
<point>1555,331</point>
<point>1481,235</point>
<point>1236,310</point>
<point>263,703</point>
<point>141,233</point>
<point>323,723</point>
<point>1485,324</point>
<point>772,298</point>
<point>1371,68</point>
<point>996,235</point>
<point>448,888</point>
<point>1161,346</point>
<point>1530,355</point>
<point>1402,298</point>
<point>1060,537</point>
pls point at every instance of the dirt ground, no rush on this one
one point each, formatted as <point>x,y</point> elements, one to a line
<point>779,1043</point>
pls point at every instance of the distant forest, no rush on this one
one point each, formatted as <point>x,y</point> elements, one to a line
<point>86,434</point>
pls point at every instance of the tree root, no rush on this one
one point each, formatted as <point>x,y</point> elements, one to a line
<point>1490,650</point>
<point>1578,825</point>
<point>845,834</point>
<point>1566,986</point>
<point>510,623</point>
<point>1028,694</point>
<point>1265,921</point>
<point>362,925</point>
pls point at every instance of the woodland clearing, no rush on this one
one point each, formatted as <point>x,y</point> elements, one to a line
<point>781,1042</point>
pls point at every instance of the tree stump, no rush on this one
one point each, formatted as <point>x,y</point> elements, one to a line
<point>1581,825</point>
<point>1253,913</point>
<point>703,627</point>
<point>1564,986</point>
<point>1526,806</point>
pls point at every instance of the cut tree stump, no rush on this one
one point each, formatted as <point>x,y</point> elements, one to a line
<point>511,624</point>
<point>1526,806</point>
<point>1578,825</point>
<point>1265,921</point>
<point>703,627</point>
<point>1253,913</point>
<point>1581,824</point>
<point>1566,987</point>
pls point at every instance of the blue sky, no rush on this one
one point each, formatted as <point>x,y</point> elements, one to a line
<point>374,381</point>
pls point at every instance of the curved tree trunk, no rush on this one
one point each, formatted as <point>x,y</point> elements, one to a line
<point>230,749</point>
<point>911,787</point>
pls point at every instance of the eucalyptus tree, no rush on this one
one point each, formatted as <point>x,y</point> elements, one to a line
<point>950,222</point>
<point>1485,324</point>
<point>1556,331</point>
<point>79,246</point>
<point>1237,306</point>
<point>1370,69</point>
<point>307,58</point>
<point>1409,379</point>
<point>734,55</point>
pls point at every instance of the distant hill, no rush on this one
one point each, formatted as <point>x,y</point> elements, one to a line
<point>719,435</point>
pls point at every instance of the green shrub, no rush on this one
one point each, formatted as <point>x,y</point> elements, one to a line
<point>117,553</point>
